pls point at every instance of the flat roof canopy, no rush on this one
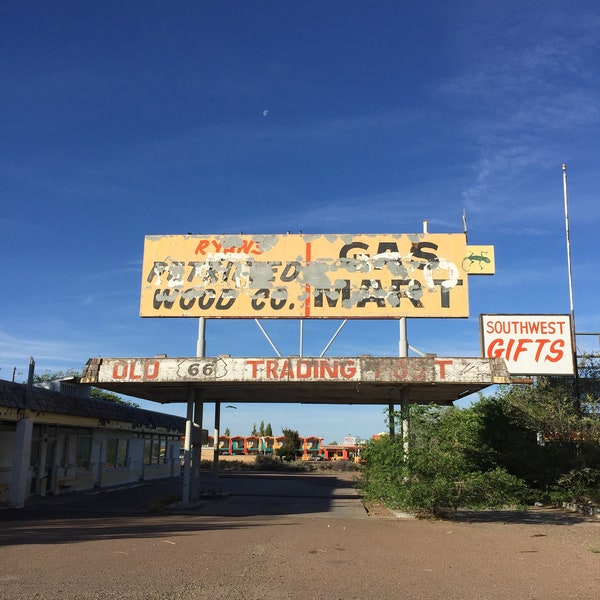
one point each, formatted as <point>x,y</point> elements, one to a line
<point>307,380</point>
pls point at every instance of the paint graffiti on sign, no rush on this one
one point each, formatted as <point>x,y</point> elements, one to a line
<point>301,276</point>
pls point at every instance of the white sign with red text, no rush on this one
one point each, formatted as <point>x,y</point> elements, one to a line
<point>530,344</point>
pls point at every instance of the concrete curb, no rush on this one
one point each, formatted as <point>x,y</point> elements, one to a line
<point>585,509</point>
<point>403,515</point>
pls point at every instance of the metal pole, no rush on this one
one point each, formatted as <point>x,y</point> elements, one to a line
<point>197,449</point>
<point>333,337</point>
<point>267,337</point>
<point>187,445</point>
<point>191,464</point>
<point>29,390</point>
<point>201,343</point>
<point>403,343</point>
<point>405,411</point>
<point>216,445</point>
<point>570,276</point>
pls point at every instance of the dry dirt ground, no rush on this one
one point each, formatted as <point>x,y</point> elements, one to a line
<point>287,537</point>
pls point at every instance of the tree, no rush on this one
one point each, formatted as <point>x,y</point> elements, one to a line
<point>269,430</point>
<point>48,376</point>
<point>261,429</point>
<point>548,434</point>
<point>524,442</point>
<point>290,446</point>
<point>94,392</point>
<point>227,432</point>
<point>254,430</point>
<point>382,468</point>
<point>589,386</point>
<point>447,465</point>
<point>110,397</point>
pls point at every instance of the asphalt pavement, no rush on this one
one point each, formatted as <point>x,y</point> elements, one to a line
<point>287,536</point>
<point>229,494</point>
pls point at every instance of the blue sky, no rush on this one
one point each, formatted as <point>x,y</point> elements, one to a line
<point>124,119</point>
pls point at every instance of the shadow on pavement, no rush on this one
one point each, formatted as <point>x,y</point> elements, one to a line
<point>530,516</point>
<point>152,509</point>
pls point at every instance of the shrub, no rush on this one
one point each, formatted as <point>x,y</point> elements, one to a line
<point>447,466</point>
<point>494,489</point>
<point>383,469</point>
<point>578,485</point>
<point>267,463</point>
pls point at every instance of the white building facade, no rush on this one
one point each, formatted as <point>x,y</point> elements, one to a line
<point>54,443</point>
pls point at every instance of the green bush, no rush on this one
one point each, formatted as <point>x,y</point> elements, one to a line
<point>525,442</point>
<point>494,489</point>
<point>446,465</point>
<point>383,469</point>
<point>578,485</point>
<point>269,463</point>
<point>338,465</point>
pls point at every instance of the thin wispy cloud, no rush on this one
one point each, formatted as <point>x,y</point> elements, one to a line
<point>46,350</point>
<point>358,124</point>
<point>530,88</point>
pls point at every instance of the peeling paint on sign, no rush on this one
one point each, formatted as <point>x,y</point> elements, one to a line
<point>305,276</point>
<point>322,380</point>
<point>257,369</point>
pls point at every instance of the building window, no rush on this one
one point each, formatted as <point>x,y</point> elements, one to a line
<point>116,453</point>
<point>83,453</point>
<point>155,450</point>
<point>8,426</point>
<point>147,451</point>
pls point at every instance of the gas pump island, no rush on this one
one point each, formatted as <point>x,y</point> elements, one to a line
<point>302,276</point>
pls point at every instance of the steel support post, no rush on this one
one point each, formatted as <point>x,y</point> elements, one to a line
<point>187,444</point>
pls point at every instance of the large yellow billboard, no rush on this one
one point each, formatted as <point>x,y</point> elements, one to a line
<point>327,276</point>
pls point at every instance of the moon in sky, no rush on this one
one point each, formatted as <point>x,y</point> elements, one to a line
<point>265,112</point>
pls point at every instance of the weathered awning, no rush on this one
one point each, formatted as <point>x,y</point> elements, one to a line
<point>308,380</point>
